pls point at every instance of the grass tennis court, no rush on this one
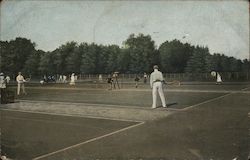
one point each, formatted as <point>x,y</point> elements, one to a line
<point>177,97</point>
<point>29,135</point>
<point>209,122</point>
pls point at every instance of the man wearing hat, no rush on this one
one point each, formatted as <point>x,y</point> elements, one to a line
<point>20,83</point>
<point>156,80</point>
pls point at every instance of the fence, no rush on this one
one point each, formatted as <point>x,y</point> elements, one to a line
<point>183,77</point>
<point>226,76</point>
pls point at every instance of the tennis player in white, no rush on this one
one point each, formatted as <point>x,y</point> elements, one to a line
<point>156,81</point>
<point>20,83</point>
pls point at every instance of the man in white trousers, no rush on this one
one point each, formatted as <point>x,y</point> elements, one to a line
<point>20,83</point>
<point>156,81</point>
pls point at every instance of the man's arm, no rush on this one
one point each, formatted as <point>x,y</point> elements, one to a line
<point>151,80</point>
<point>17,79</point>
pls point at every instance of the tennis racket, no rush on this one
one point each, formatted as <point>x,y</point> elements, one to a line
<point>174,83</point>
<point>27,79</point>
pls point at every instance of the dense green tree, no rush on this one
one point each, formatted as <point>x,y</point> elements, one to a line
<point>88,59</point>
<point>246,65</point>
<point>47,64</point>
<point>113,53</point>
<point>174,56</point>
<point>31,66</point>
<point>66,58</point>
<point>142,51</point>
<point>73,58</point>
<point>235,65</point>
<point>101,58</point>
<point>124,61</point>
<point>137,55</point>
<point>15,53</point>
<point>198,63</point>
<point>7,64</point>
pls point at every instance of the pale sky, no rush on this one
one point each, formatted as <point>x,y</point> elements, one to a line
<point>222,26</point>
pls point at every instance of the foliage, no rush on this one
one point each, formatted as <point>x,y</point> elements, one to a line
<point>174,56</point>
<point>141,50</point>
<point>137,55</point>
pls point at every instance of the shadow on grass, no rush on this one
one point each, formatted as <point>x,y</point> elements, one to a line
<point>168,105</point>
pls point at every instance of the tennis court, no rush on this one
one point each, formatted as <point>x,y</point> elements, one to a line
<point>203,122</point>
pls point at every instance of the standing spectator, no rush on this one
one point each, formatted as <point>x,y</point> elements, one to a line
<point>20,83</point>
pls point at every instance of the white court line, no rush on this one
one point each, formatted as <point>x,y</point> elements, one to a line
<point>207,101</point>
<point>132,89</point>
<point>121,130</point>
<point>84,103</point>
<point>44,121</point>
<point>88,141</point>
<point>245,88</point>
<point>85,142</point>
<point>68,115</point>
<point>211,100</point>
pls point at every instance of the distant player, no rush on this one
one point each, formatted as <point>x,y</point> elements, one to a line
<point>156,82</point>
<point>64,79</point>
<point>72,79</point>
<point>7,79</point>
<point>115,80</point>
<point>137,79</point>
<point>100,78</point>
<point>20,83</point>
<point>145,76</point>
<point>60,78</point>
<point>218,78</point>
<point>110,81</point>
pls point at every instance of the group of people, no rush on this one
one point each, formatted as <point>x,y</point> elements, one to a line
<point>4,82</point>
<point>61,79</point>
<point>137,79</point>
<point>113,81</point>
<point>156,83</point>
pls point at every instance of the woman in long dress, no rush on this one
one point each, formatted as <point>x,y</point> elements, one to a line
<point>218,80</point>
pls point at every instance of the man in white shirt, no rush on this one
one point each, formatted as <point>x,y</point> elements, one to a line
<point>20,83</point>
<point>156,80</point>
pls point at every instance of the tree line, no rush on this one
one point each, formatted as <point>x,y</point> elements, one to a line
<point>137,55</point>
